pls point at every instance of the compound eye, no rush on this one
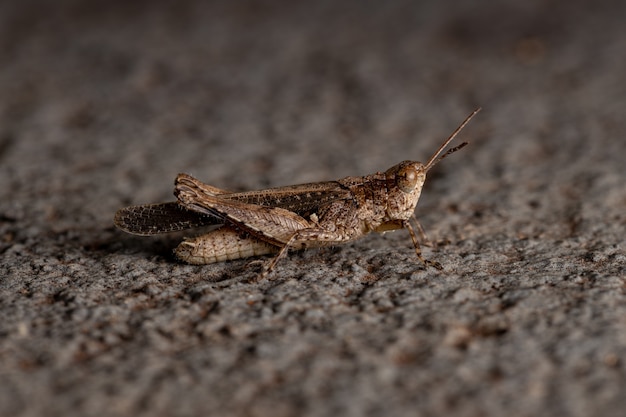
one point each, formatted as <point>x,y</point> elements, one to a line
<point>407,178</point>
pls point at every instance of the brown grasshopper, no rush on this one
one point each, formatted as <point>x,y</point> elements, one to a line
<point>269,221</point>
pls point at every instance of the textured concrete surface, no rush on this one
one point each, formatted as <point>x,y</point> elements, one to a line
<point>102,103</point>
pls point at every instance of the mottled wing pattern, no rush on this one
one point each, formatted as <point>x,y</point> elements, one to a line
<point>303,199</point>
<point>271,224</point>
<point>152,219</point>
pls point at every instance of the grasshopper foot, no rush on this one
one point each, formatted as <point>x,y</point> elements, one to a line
<point>434,264</point>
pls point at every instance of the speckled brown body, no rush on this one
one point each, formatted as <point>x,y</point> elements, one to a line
<point>277,219</point>
<point>354,210</point>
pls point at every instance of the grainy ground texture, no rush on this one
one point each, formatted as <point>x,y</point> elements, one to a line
<point>102,103</point>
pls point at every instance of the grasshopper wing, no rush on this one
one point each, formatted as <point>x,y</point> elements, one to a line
<point>274,225</point>
<point>152,219</point>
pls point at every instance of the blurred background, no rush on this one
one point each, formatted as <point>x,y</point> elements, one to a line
<point>102,103</point>
<point>127,94</point>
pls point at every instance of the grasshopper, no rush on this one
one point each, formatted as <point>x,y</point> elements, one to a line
<point>274,220</point>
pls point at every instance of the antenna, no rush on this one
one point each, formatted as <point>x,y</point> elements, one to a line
<point>436,158</point>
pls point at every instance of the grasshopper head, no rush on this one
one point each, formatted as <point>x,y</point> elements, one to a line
<point>404,186</point>
<point>407,176</point>
<point>405,180</point>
